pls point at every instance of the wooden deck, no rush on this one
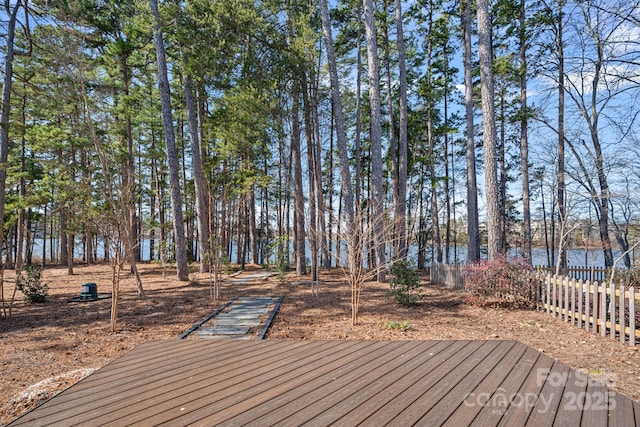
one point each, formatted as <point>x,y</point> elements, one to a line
<point>317,383</point>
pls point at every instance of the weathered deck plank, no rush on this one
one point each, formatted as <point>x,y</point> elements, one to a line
<point>328,410</point>
<point>493,387</point>
<point>576,387</point>
<point>296,398</point>
<point>488,369</point>
<point>318,383</point>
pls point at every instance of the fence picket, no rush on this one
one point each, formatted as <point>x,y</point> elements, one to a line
<point>612,311</point>
<point>547,293</point>
<point>589,304</point>
<point>623,321</point>
<point>603,309</point>
<point>632,316</point>
<point>566,283</point>
<point>580,298</point>
<point>560,293</point>
<point>596,307</point>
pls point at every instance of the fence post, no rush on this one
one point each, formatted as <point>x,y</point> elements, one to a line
<point>612,311</point>
<point>622,321</point>
<point>548,292</point>
<point>603,309</point>
<point>554,296</point>
<point>596,307</point>
<point>566,283</point>
<point>587,305</point>
<point>573,302</point>
<point>560,293</point>
<point>580,297</point>
<point>632,316</point>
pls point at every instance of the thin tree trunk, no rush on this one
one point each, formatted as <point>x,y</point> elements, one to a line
<point>4,115</point>
<point>562,262</point>
<point>401,194</point>
<point>202,215</point>
<point>435,223</point>
<point>473,227</point>
<point>62,241</point>
<point>524,138</point>
<point>393,144</point>
<point>313,219</point>
<point>377,204</point>
<point>172,158</point>
<point>297,183</point>
<point>317,161</point>
<point>502,166</point>
<point>347,199</point>
<point>252,225</point>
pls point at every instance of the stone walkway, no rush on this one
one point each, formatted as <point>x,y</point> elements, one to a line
<point>243,319</point>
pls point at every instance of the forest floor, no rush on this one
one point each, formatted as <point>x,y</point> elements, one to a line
<point>48,347</point>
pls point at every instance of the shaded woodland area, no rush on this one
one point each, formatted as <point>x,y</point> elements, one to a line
<point>313,135</point>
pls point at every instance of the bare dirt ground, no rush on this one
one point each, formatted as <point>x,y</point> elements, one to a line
<point>48,347</point>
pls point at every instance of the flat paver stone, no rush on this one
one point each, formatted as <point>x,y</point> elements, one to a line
<point>252,311</point>
<point>237,322</point>
<point>225,330</point>
<point>238,316</point>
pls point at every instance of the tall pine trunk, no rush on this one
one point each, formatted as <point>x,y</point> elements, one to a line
<point>562,213</point>
<point>377,195</point>
<point>473,227</point>
<point>401,191</point>
<point>485,53</point>
<point>202,212</point>
<point>524,140</point>
<point>172,154</point>
<point>347,200</point>
<point>298,213</point>
<point>4,115</point>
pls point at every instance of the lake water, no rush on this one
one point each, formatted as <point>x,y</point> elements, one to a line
<point>576,257</point>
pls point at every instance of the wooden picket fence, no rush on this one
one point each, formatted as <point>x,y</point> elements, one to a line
<point>609,310</point>
<point>449,276</point>
<point>592,274</point>
<point>597,307</point>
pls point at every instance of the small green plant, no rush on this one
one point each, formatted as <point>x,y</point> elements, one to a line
<point>32,287</point>
<point>403,325</point>
<point>277,247</point>
<point>405,283</point>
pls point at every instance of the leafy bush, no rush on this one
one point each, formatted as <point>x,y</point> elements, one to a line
<point>32,287</point>
<point>405,283</point>
<point>503,279</point>
<point>399,325</point>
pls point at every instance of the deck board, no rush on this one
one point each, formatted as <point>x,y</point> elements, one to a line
<point>488,370</point>
<point>397,391</point>
<point>297,398</point>
<point>503,377</point>
<point>546,407</point>
<point>317,383</point>
<point>575,388</point>
<point>116,400</point>
<point>329,410</point>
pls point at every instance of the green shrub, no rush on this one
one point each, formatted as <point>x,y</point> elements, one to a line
<point>32,287</point>
<point>405,283</point>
